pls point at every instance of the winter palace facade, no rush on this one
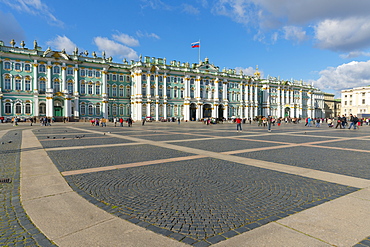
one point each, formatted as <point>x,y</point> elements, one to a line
<point>37,83</point>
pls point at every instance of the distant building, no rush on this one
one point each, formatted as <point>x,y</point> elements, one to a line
<point>356,101</point>
<point>37,83</point>
<point>331,105</point>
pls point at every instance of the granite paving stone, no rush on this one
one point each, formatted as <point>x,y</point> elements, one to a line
<point>212,197</point>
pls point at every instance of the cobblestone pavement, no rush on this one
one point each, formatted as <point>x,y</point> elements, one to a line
<point>203,201</point>
<point>15,227</point>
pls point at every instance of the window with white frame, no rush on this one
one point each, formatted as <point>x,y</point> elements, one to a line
<point>89,88</point>
<point>121,110</point>
<point>27,84</point>
<point>56,86</point>
<point>114,110</point>
<point>7,83</point>
<point>97,89</point>
<point>114,91</point>
<point>8,108</point>
<point>82,72</point>
<point>28,108</point>
<point>91,110</point>
<point>97,74</point>
<point>42,68</point>
<point>17,66</point>
<point>70,71</point>
<point>121,91</point>
<point>27,67</point>
<point>83,109</point>
<point>42,108</point>
<point>18,108</point>
<point>97,109</point>
<point>7,65</point>
<point>18,84</point>
<point>114,77</point>
<point>90,73</point>
<point>56,70</point>
<point>42,86</point>
<point>82,88</point>
<point>121,78</point>
<point>70,86</point>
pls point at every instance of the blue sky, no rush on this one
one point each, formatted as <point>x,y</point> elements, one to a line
<point>324,43</point>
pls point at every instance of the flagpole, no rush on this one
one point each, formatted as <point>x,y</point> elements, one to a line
<point>199,52</point>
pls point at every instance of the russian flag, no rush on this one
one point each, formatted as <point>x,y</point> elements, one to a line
<point>195,45</point>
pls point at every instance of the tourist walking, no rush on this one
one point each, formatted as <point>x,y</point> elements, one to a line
<point>339,122</point>
<point>269,122</point>
<point>238,124</point>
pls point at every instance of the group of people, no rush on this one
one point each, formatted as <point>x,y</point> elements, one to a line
<point>262,121</point>
<point>121,121</point>
<point>342,122</point>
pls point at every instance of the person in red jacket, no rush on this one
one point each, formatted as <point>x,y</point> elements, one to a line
<point>238,124</point>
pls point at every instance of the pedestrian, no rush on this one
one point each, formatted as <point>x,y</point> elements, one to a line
<point>344,121</point>
<point>269,122</point>
<point>178,120</point>
<point>318,121</point>
<point>238,124</point>
<point>339,122</point>
<point>115,121</point>
<point>129,122</point>
<point>143,122</point>
<point>31,120</point>
<point>121,121</point>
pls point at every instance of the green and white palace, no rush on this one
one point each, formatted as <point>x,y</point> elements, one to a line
<point>38,83</point>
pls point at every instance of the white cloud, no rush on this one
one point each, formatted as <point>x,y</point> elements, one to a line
<point>354,54</point>
<point>147,35</point>
<point>125,39</point>
<point>345,76</point>
<point>34,7</point>
<point>62,42</point>
<point>294,33</point>
<point>339,25</point>
<point>344,34</point>
<point>190,9</point>
<point>12,29</point>
<point>113,48</point>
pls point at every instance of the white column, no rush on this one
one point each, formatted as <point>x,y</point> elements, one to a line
<point>255,99</point>
<point>49,105</point>
<point>67,106</point>
<point>197,89</point>
<point>187,98</point>
<point>309,104</point>
<point>35,77</point>
<point>48,73</point>
<point>76,81</point>
<point>63,87</point>
<point>226,110</point>
<point>104,94</point>
<point>76,113</point>
<point>35,106</point>
<point>157,98</point>
<point>300,103</point>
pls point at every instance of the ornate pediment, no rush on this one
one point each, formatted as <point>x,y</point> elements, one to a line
<point>208,68</point>
<point>56,54</point>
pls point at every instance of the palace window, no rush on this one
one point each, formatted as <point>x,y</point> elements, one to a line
<point>97,74</point>
<point>114,77</point>
<point>121,110</point>
<point>144,90</point>
<point>27,84</point>
<point>121,91</point>
<point>56,86</point>
<point>82,88</point>
<point>42,86</point>
<point>42,68</point>
<point>8,108</point>
<point>97,89</point>
<point>27,67</point>
<point>90,73</point>
<point>114,110</point>
<point>42,109</point>
<point>191,93</point>
<point>70,87</point>
<point>97,109</point>
<point>18,108</point>
<point>152,93</point>
<point>89,89</point>
<point>175,93</point>
<point>17,66</point>
<point>28,108</point>
<point>7,84</point>
<point>69,71</point>
<point>121,78</point>
<point>143,77</point>
<point>83,109</point>
<point>108,77</point>
<point>114,91</point>
<point>152,77</point>
<point>56,70</point>
<point>91,110</point>
<point>160,78</point>
<point>128,93</point>
<point>168,92</point>
<point>7,66</point>
<point>18,84</point>
<point>82,72</point>
<point>363,101</point>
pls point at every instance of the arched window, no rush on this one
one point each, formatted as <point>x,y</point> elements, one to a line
<point>128,91</point>
<point>114,110</point>
<point>121,110</point>
<point>82,88</point>
<point>56,70</point>
<point>83,109</point>
<point>18,108</point>
<point>121,91</point>
<point>89,89</point>
<point>143,77</point>
<point>97,74</point>
<point>114,77</point>
<point>70,71</point>
<point>17,66</point>
<point>91,110</point>
<point>97,88</point>
<point>121,78</point>
<point>70,86</point>
<point>89,73</point>
<point>27,67</point>
<point>56,86</point>
<point>28,108</point>
<point>8,108</point>
<point>7,83</point>
<point>97,109</point>
<point>42,85</point>
<point>42,68</point>
<point>18,84</point>
<point>114,91</point>
<point>82,72</point>
<point>144,90</point>
<point>27,84</point>
<point>42,108</point>
<point>152,77</point>
<point>7,65</point>
<point>160,78</point>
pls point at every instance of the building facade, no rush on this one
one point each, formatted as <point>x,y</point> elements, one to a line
<point>37,83</point>
<point>356,101</point>
<point>331,105</point>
